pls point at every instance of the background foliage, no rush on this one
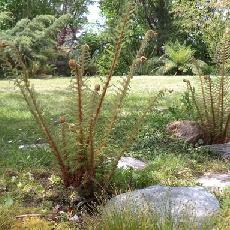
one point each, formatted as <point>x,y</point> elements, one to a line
<point>195,24</point>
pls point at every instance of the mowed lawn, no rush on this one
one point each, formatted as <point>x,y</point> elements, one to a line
<point>139,83</point>
<point>170,161</point>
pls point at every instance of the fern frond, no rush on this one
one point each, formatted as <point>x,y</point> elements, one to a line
<point>132,136</point>
<point>117,50</point>
<point>123,89</point>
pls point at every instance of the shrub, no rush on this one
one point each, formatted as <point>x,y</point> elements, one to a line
<point>210,98</point>
<point>83,143</point>
<point>7,216</point>
<point>8,213</point>
<point>5,20</point>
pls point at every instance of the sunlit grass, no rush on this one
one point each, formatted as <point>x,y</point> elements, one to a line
<point>138,84</point>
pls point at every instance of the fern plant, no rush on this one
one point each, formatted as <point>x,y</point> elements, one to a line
<point>83,144</point>
<point>177,59</point>
<point>211,98</point>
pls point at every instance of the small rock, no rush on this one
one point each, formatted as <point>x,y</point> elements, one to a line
<point>130,162</point>
<point>161,109</point>
<point>190,131</point>
<point>178,204</point>
<point>215,182</point>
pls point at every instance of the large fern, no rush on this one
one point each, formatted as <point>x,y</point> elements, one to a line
<point>211,98</point>
<point>83,147</point>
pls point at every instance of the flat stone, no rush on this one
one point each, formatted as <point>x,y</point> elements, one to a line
<point>222,149</point>
<point>215,182</point>
<point>44,146</point>
<point>179,204</point>
<point>130,162</point>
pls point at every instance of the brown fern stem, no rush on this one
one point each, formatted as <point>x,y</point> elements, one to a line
<point>223,60</point>
<point>90,139</point>
<point>50,139</point>
<point>79,104</point>
<point>63,139</point>
<point>113,65</point>
<point>212,103</point>
<point>39,118</point>
<point>202,88</point>
<point>189,86</point>
<point>95,115</point>
<point>124,89</point>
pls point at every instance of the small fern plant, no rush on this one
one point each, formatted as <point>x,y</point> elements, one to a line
<point>83,144</point>
<point>211,99</point>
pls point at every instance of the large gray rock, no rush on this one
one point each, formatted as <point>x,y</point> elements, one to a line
<point>193,204</point>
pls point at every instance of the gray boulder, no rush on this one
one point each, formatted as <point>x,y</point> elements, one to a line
<point>179,204</point>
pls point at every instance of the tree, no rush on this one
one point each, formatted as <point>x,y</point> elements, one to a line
<point>157,16</point>
<point>151,14</point>
<point>204,23</point>
<point>34,40</point>
<point>26,8</point>
<point>31,8</point>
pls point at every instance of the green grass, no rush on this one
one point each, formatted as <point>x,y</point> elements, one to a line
<point>171,162</point>
<point>140,84</point>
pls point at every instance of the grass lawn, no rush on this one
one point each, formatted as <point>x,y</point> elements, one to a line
<point>171,162</point>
